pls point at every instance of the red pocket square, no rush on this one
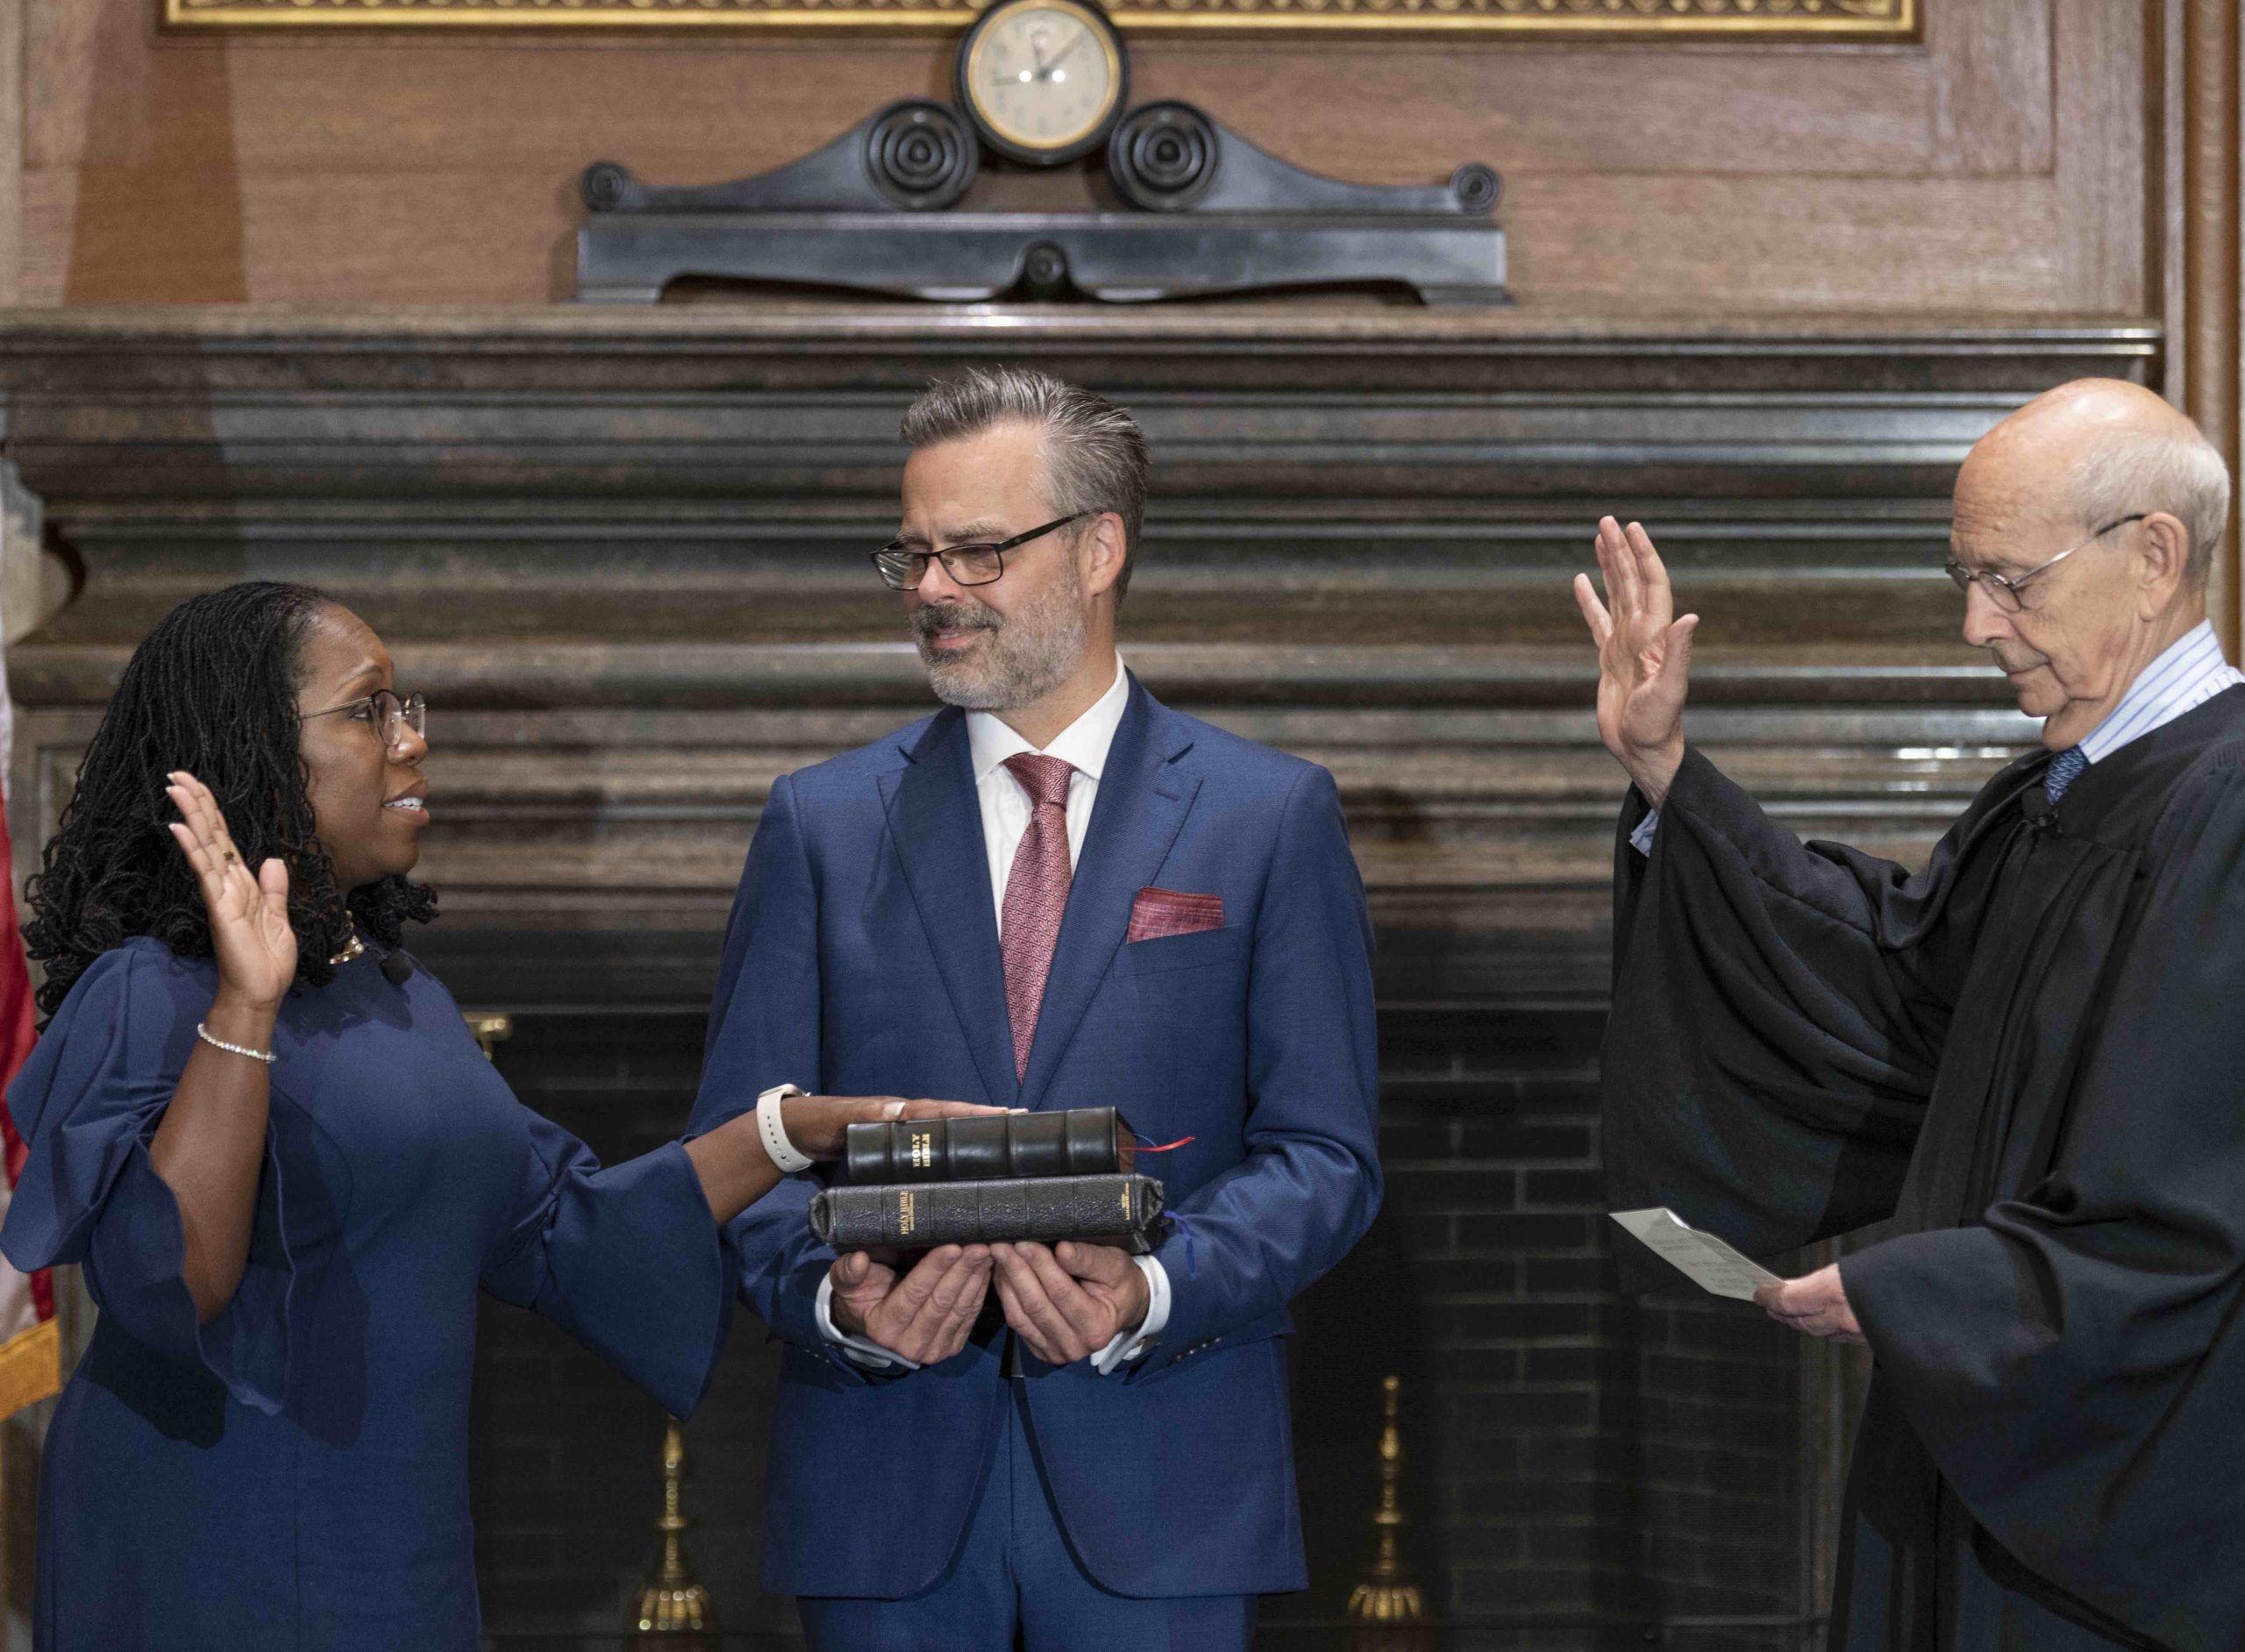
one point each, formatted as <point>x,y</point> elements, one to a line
<point>1159,912</point>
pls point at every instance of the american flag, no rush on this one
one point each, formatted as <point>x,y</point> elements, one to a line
<point>31,1345</point>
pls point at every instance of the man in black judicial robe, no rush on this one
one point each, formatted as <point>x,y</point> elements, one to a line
<point>2030,1056</point>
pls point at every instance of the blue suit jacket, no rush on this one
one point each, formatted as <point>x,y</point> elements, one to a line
<point>862,958</point>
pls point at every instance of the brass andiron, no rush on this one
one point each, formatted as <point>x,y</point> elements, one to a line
<point>1388,1596</point>
<point>489,1029</point>
<point>671,1603</point>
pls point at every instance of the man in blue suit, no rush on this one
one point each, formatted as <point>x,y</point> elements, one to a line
<point>1054,893</point>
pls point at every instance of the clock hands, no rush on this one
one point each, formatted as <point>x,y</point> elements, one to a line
<point>1060,57</point>
<point>1043,68</point>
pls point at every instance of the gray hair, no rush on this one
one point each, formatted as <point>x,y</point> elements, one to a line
<point>2173,469</point>
<point>1096,456</point>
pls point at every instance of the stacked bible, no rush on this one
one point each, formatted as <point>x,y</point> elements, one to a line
<point>921,1183</point>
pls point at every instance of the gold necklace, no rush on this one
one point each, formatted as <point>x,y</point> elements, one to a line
<point>356,948</point>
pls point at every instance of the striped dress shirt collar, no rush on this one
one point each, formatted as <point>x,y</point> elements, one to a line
<point>2189,674</point>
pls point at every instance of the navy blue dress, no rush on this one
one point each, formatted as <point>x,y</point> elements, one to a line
<point>292,1476</point>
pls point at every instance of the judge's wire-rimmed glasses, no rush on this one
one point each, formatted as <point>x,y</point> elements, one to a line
<point>904,569</point>
<point>2003,589</point>
<point>386,712</point>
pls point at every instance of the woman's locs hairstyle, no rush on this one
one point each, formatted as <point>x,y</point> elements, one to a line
<point>212,690</point>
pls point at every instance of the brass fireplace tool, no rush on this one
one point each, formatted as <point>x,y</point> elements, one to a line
<point>1387,1600</point>
<point>670,1604</point>
<point>490,1030</point>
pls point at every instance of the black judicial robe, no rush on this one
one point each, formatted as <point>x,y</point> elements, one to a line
<point>2031,1058</point>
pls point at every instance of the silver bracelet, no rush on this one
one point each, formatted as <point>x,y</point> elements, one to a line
<point>204,1033</point>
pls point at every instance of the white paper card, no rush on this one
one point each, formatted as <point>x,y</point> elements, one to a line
<point>1704,1259</point>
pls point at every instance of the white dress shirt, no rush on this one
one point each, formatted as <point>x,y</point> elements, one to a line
<point>2189,672</point>
<point>1006,810</point>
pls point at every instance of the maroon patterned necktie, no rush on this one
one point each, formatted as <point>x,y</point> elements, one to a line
<point>1036,893</point>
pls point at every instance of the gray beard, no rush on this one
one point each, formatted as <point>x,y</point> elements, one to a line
<point>1026,657</point>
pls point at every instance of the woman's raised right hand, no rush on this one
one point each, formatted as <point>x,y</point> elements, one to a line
<point>250,931</point>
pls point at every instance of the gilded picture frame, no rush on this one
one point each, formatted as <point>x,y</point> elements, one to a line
<point>1636,20</point>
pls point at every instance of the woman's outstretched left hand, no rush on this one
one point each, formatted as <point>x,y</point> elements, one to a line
<point>817,1124</point>
<point>735,1169</point>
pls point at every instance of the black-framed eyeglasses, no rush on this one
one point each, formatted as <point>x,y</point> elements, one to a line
<point>2003,589</point>
<point>966,564</point>
<point>385,711</point>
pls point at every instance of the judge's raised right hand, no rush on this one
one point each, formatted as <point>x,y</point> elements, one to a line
<point>925,1315</point>
<point>1645,657</point>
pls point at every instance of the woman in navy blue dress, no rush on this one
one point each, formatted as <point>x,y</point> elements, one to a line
<point>288,1169</point>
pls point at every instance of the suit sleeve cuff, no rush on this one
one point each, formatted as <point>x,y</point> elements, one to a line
<point>1130,1345</point>
<point>855,1349</point>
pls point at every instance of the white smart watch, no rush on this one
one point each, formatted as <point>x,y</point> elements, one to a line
<point>785,1155</point>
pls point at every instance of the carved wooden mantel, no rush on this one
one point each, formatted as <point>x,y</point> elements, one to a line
<point>624,556</point>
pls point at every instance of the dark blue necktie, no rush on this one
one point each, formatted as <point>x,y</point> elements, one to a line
<point>2064,770</point>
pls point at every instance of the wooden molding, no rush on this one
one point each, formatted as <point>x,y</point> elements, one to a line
<point>2193,100</point>
<point>1860,20</point>
<point>11,150</point>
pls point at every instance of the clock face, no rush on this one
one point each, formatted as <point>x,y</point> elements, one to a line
<point>1044,78</point>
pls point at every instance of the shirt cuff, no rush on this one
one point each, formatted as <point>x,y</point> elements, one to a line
<point>856,1349</point>
<point>1641,835</point>
<point>1129,1345</point>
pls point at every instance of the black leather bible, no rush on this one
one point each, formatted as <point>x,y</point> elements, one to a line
<point>1109,1210</point>
<point>1081,1142</point>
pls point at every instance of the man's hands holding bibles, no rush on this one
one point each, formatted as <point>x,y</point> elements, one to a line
<point>975,1178</point>
<point>1068,1302</point>
<point>1065,1302</point>
<point>924,1314</point>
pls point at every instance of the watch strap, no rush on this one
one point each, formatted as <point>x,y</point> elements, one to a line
<point>785,1155</point>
